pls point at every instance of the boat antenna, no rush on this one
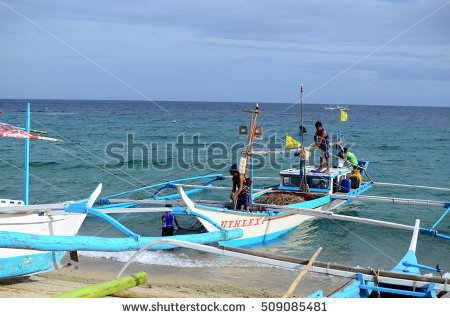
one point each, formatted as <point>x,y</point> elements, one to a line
<point>251,137</point>
<point>26,177</point>
<point>303,186</point>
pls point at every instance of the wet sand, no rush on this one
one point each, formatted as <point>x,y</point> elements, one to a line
<point>170,281</point>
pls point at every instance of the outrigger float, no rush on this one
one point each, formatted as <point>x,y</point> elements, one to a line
<point>299,195</point>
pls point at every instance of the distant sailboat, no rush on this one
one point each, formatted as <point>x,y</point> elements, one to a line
<point>336,107</point>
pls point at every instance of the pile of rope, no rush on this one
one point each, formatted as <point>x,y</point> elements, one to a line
<point>283,198</point>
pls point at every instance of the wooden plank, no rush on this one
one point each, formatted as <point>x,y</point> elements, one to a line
<point>302,274</point>
<point>345,268</point>
<point>296,263</point>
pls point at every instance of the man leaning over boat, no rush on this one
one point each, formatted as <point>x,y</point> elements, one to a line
<point>243,195</point>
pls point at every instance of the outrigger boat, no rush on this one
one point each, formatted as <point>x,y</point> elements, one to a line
<point>305,188</point>
<point>300,194</point>
<point>18,216</point>
<point>379,288</point>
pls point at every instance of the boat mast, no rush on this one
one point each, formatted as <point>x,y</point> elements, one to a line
<point>27,159</point>
<point>251,136</point>
<point>303,186</point>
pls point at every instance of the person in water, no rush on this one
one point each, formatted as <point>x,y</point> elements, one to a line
<point>350,157</point>
<point>322,142</point>
<point>242,196</point>
<point>167,223</point>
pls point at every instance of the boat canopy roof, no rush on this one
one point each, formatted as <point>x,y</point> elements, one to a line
<point>312,172</point>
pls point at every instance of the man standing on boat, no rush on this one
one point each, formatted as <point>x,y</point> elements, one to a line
<point>167,223</point>
<point>322,142</point>
<point>243,195</point>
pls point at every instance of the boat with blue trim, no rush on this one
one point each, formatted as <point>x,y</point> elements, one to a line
<point>300,194</point>
<point>266,222</point>
<point>380,287</point>
<point>18,216</point>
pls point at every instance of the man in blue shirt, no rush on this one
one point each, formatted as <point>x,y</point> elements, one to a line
<point>167,223</point>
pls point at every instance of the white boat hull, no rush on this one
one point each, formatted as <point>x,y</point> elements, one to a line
<point>67,225</point>
<point>22,262</point>
<point>257,227</point>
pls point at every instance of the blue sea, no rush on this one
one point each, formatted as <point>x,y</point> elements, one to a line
<point>129,144</point>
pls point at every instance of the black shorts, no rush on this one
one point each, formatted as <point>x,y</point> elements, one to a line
<point>167,231</point>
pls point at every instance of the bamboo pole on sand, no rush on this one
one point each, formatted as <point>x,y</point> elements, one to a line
<point>302,274</point>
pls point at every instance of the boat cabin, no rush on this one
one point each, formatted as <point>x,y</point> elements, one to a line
<point>318,182</point>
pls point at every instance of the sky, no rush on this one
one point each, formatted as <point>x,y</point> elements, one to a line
<point>369,52</point>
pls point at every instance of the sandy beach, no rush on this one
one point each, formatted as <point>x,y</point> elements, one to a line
<point>169,281</point>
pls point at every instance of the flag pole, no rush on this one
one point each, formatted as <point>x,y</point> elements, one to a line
<point>302,184</point>
<point>27,159</point>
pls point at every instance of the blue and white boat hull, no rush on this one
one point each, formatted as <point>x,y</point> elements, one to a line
<point>20,262</point>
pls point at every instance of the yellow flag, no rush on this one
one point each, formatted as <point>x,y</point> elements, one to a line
<point>344,116</point>
<point>292,143</point>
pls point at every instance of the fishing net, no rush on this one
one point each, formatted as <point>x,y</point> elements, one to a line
<point>283,198</point>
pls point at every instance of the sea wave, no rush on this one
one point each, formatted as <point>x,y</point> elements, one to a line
<point>169,258</point>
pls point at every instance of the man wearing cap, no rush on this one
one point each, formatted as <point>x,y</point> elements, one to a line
<point>243,195</point>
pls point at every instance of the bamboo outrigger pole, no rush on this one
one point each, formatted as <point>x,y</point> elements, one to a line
<point>107,288</point>
<point>302,274</point>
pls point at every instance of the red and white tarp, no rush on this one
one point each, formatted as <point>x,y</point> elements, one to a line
<point>10,131</point>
